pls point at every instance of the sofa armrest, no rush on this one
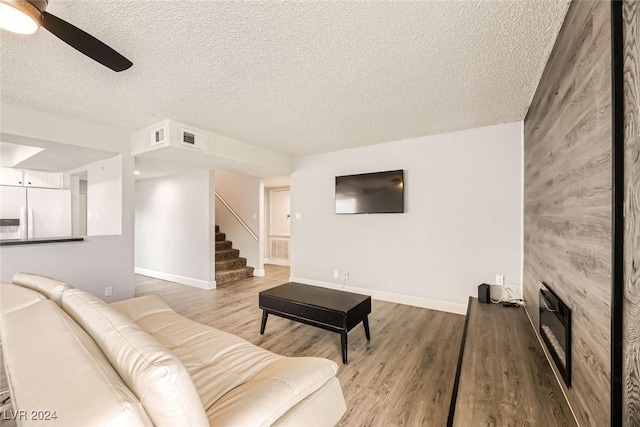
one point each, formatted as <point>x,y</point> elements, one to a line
<point>49,287</point>
<point>53,366</point>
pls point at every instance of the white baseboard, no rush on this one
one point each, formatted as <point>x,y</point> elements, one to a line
<point>282,262</point>
<point>433,304</point>
<point>258,273</point>
<point>197,283</point>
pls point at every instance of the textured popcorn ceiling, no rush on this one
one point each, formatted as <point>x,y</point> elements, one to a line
<point>296,77</point>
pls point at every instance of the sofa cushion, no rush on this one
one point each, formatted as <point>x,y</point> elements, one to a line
<point>155,375</point>
<point>14,297</point>
<point>49,287</point>
<point>53,365</point>
<point>239,383</point>
<point>269,394</point>
<point>322,408</point>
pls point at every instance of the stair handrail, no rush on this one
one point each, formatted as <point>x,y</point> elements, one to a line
<point>244,224</point>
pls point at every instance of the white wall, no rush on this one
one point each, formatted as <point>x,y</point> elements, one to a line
<point>97,262</point>
<point>173,231</point>
<point>243,194</point>
<point>462,223</point>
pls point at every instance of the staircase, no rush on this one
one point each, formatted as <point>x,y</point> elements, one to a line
<point>229,266</point>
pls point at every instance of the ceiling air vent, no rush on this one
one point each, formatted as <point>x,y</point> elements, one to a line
<point>189,138</point>
<point>158,136</point>
<point>194,139</point>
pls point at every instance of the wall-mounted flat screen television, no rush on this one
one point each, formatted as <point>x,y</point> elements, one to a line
<point>379,192</point>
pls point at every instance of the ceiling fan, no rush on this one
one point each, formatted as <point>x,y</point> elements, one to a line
<point>25,17</point>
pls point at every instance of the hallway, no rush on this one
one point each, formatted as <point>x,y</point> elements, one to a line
<point>278,272</point>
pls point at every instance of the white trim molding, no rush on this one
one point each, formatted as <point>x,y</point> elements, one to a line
<point>433,304</point>
<point>258,273</point>
<point>196,283</point>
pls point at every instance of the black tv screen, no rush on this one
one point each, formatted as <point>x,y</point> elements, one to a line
<point>380,192</point>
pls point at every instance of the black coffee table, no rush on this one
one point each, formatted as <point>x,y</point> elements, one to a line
<point>329,309</point>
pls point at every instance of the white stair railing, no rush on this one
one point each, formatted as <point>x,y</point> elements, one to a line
<point>244,224</point>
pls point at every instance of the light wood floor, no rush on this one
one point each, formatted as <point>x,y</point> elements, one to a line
<point>505,378</point>
<point>403,377</point>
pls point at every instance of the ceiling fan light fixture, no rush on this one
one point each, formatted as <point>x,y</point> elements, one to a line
<point>19,16</point>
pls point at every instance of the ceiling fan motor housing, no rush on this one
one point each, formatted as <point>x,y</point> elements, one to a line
<point>41,5</point>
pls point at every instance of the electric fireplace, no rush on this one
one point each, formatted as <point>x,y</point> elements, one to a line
<point>555,329</point>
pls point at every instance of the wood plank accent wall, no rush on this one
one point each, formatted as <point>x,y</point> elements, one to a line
<point>631,307</point>
<point>567,198</point>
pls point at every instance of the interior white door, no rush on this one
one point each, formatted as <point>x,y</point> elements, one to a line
<point>279,213</point>
<point>13,204</point>
<point>50,211</point>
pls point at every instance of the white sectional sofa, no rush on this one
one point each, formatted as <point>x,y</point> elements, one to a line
<point>73,360</point>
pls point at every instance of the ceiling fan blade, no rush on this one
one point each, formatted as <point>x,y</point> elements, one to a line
<point>85,43</point>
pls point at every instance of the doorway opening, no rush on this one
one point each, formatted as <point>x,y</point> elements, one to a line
<point>278,203</point>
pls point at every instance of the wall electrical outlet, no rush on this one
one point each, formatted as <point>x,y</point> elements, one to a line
<point>500,280</point>
<point>108,291</point>
<point>336,274</point>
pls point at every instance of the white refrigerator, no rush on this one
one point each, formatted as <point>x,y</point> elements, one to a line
<point>27,213</point>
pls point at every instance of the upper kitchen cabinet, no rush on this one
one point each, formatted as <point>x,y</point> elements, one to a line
<point>33,178</point>
<point>9,176</point>
<point>30,178</point>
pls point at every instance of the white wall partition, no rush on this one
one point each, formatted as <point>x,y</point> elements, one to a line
<point>99,185</point>
<point>174,223</point>
<point>461,227</point>
<point>104,197</point>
